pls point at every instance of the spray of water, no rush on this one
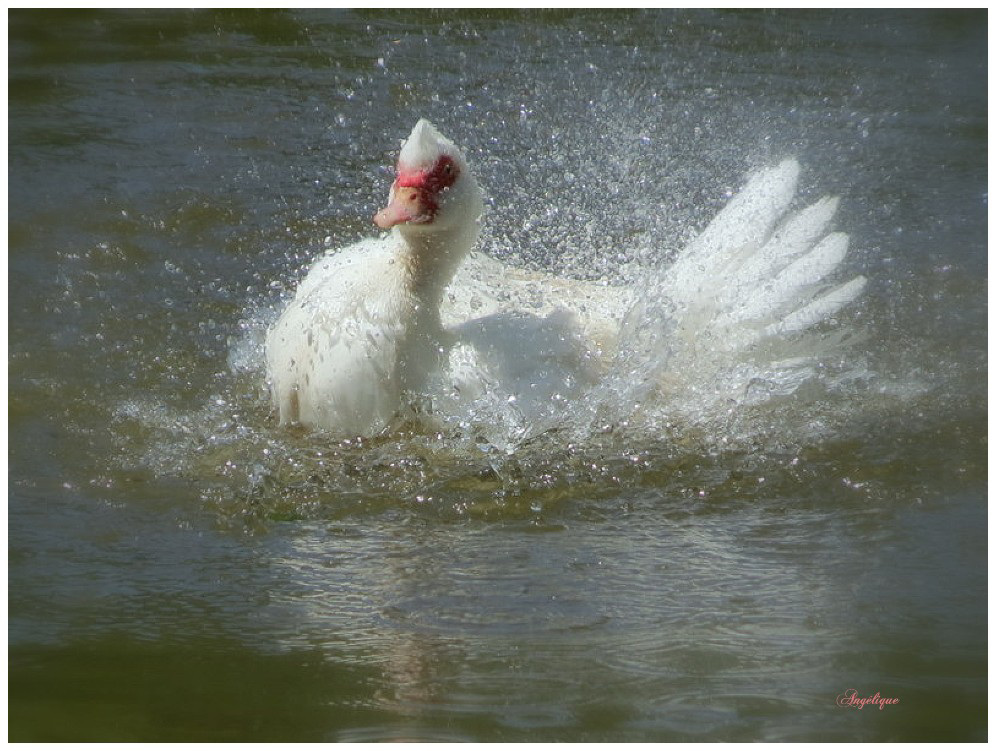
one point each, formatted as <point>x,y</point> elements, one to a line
<point>630,339</point>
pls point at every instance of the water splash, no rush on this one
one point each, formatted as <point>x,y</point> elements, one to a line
<point>556,380</point>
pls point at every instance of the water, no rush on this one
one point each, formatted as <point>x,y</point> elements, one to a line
<point>180,568</point>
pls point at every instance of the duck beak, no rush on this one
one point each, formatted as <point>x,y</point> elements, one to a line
<point>406,205</point>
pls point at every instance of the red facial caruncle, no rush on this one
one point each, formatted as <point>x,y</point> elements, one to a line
<point>415,193</point>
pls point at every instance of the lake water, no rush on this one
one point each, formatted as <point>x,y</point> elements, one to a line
<point>181,568</point>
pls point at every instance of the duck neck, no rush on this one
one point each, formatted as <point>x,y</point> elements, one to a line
<point>433,258</point>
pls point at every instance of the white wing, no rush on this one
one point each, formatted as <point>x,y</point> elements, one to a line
<point>694,333</point>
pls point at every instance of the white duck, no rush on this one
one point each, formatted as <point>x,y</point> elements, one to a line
<point>363,330</point>
<point>372,324</point>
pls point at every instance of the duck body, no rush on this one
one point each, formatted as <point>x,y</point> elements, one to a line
<point>344,349</point>
<point>375,327</point>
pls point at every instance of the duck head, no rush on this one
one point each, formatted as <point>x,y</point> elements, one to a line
<point>434,189</point>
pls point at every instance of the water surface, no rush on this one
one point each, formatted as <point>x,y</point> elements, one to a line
<point>181,568</point>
